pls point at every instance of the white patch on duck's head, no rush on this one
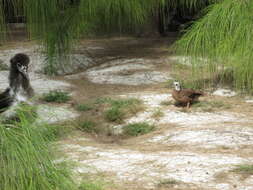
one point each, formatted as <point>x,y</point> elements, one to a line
<point>177,85</point>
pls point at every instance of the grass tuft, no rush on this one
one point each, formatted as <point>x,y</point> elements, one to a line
<point>23,110</point>
<point>87,126</point>
<point>56,96</point>
<point>244,169</point>
<point>3,67</point>
<point>54,131</point>
<point>157,114</point>
<point>102,100</point>
<point>222,43</point>
<point>83,107</point>
<point>136,129</point>
<point>114,114</point>
<point>167,103</point>
<point>210,106</point>
<point>167,182</point>
<point>121,108</point>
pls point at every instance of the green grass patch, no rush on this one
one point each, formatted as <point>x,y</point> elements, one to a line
<point>87,126</point>
<point>157,114</point>
<point>136,129</point>
<point>210,106</point>
<point>54,132</point>
<point>114,114</point>
<point>3,67</point>
<point>120,103</point>
<point>102,100</point>
<point>167,182</point>
<point>27,160</point>
<point>23,110</point>
<point>56,96</point>
<point>124,103</point>
<point>167,103</point>
<point>119,109</point>
<point>244,169</point>
<point>83,107</point>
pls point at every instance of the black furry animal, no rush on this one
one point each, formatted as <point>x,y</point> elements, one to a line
<point>6,100</point>
<point>19,84</point>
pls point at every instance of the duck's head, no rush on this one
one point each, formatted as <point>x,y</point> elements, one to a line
<point>177,85</point>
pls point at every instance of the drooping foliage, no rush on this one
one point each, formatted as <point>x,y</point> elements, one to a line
<point>222,39</point>
<point>58,23</point>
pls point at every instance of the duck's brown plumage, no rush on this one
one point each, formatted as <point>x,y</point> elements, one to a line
<point>186,96</point>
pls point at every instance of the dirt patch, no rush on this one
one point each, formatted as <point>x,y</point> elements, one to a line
<point>125,72</point>
<point>188,149</point>
<point>150,168</point>
<point>188,146</point>
<point>201,136</point>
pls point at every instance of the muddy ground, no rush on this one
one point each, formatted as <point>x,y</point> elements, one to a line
<point>189,149</point>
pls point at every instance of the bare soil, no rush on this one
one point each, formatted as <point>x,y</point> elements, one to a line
<point>190,149</point>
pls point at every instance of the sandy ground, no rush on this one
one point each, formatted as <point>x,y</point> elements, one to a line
<point>189,149</point>
<point>192,148</point>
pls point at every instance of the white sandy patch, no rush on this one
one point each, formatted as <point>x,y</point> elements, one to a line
<point>249,101</point>
<point>184,60</point>
<point>39,82</point>
<point>107,70</point>
<point>149,168</point>
<point>53,114</point>
<point>145,62</point>
<point>125,72</point>
<point>227,137</point>
<point>224,92</point>
<point>94,48</point>
<point>188,60</point>
<point>150,99</point>
<point>196,119</point>
<point>199,118</point>
<point>117,68</point>
<point>140,78</point>
<point>237,181</point>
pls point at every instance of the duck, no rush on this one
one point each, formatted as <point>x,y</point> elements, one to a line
<point>185,96</point>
